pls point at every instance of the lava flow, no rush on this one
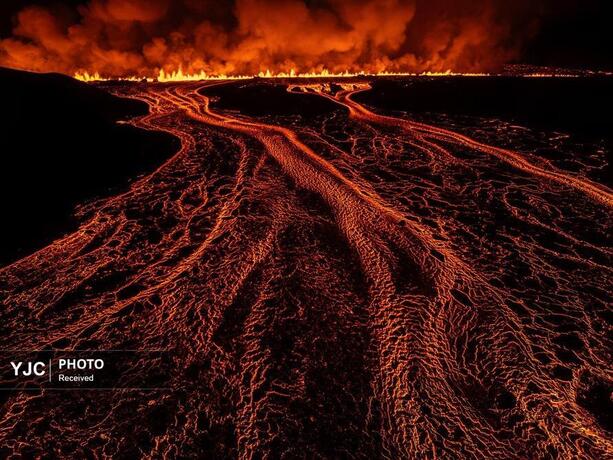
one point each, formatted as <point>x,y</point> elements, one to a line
<point>346,284</point>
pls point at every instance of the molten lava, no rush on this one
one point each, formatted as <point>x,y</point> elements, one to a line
<point>348,283</point>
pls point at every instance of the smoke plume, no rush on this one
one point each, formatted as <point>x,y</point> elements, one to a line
<point>140,37</point>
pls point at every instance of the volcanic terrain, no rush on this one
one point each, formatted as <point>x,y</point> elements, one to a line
<point>338,268</point>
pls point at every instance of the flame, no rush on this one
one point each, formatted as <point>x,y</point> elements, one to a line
<point>87,77</point>
<point>178,75</point>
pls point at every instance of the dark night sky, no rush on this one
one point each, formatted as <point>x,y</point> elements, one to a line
<point>576,34</point>
<point>572,33</point>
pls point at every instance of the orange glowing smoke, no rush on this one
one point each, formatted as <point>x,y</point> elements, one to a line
<point>120,38</point>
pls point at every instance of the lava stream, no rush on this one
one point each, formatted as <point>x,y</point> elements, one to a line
<point>515,159</point>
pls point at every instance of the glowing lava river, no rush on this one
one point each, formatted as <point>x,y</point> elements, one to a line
<point>351,283</point>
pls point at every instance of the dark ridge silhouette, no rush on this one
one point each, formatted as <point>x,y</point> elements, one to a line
<point>60,146</point>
